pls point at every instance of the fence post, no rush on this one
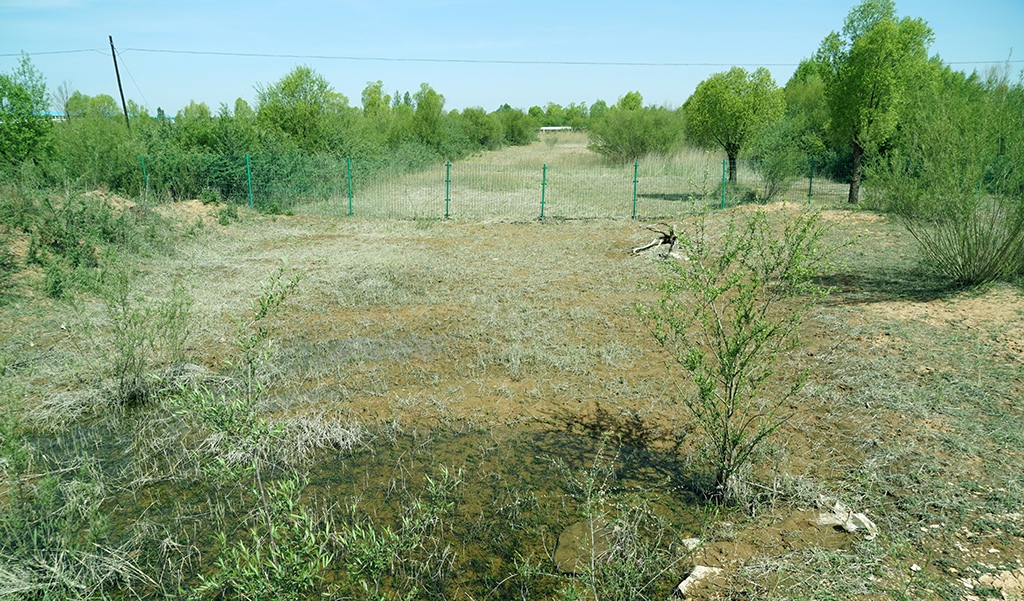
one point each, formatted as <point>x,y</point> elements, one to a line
<point>447,187</point>
<point>348,163</point>
<point>248,177</point>
<point>543,188</point>
<point>810,180</point>
<point>725,175</point>
<point>145,180</point>
<point>636,177</point>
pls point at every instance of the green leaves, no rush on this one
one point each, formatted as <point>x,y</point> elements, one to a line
<point>725,314</point>
<point>24,126</point>
<point>950,179</point>
<point>303,106</point>
<point>628,130</point>
<point>868,72</point>
<point>729,109</point>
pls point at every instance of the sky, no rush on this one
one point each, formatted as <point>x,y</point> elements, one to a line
<point>474,52</point>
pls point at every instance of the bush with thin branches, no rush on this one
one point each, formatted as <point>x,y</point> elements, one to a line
<point>727,314</point>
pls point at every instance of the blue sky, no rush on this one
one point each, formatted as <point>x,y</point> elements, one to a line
<point>775,34</point>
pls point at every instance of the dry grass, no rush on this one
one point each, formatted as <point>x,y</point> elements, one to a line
<point>498,330</point>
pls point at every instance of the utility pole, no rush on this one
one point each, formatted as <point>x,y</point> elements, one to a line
<point>119,88</point>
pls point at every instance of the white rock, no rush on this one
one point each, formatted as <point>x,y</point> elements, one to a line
<point>691,544</point>
<point>843,517</point>
<point>699,573</point>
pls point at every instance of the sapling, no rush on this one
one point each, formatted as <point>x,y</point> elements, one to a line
<point>727,314</point>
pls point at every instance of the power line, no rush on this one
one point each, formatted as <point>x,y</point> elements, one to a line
<point>132,77</point>
<point>453,60</point>
<point>461,60</point>
<point>497,61</point>
<point>54,52</point>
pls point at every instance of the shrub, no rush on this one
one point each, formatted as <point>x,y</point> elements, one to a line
<point>210,196</point>
<point>949,184</point>
<point>776,161</point>
<point>723,315</point>
<point>142,333</point>
<point>628,131</point>
<point>227,214</point>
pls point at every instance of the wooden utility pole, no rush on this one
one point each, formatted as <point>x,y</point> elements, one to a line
<point>119,88</point>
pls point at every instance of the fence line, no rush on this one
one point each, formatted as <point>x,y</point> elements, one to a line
<point>468,190</point>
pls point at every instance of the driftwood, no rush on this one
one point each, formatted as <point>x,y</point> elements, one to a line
<point>666,236</point>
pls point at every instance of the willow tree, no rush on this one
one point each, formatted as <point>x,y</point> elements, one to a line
<point>729,109</point>
<point>303,106</point>
<point>868,70</point>
<point>24,126</point>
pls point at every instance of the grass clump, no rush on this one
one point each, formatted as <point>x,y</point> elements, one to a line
<point>56,540</point>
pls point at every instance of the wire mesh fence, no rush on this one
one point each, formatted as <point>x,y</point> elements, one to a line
<point>650,189</point>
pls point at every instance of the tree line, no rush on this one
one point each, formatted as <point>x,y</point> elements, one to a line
<point>863,98</point>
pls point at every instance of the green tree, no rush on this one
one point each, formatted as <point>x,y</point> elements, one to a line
<point>429,117</point>
<point>554,115</point>
<point>729,109</point>
<point>868,69</point>
<point>195,128</point>
<point>481,128</point>
<point>806,108</point>
<point>519,128</point>
<point>577,116</point>
<point>24,125</point>
<point>628,130</point>
<point>304,107</point>
<point>82,105</point>
<point>953,176</point>
<point>376,104</point>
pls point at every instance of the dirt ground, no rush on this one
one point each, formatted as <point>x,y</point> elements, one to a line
<point>911,413</point>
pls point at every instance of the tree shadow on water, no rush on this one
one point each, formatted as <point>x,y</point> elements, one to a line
<point>645,457</point>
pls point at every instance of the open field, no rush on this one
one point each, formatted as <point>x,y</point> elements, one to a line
<point>435,402</point>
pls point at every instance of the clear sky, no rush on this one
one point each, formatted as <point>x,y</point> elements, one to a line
<point>474,52</point>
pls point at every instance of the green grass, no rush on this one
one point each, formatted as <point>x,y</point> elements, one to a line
<point>508,354</point>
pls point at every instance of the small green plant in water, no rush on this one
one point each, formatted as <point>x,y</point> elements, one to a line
<point>284,558</point>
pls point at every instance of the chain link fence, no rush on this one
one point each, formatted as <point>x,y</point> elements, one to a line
<point>650,189</point>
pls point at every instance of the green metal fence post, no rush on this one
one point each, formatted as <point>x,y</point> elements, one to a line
<point>810,180</point>
<point>248,177</point>
<point>636,177</point>
<point>348,163</point>
<point>145,179</point>
<point>725,175</point>
<point>447,187</point>
<point>543,188</point>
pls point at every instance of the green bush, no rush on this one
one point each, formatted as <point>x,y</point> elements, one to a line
<point>725,316</point>
<point>776,161</point>
<point>227,214</point>
<point>628,131</point>
<point>951,184</point>
<point>210,196</point>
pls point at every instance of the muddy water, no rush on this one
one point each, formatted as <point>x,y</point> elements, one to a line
<point>517,491</point>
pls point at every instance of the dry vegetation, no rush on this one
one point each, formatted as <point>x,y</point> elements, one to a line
<point>479,387</point>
